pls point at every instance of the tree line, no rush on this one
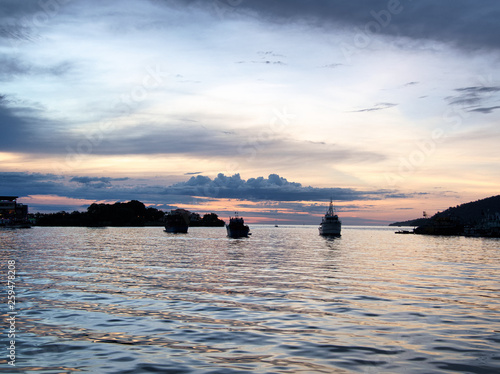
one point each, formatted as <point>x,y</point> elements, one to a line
<point>132,213</point>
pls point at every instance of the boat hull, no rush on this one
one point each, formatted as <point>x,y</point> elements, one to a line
<point>330,229</point>
<point>237,231</point>
<point>176,229</point>
<point>177,222</point>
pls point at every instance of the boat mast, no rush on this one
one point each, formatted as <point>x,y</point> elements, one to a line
<point>330,211</point>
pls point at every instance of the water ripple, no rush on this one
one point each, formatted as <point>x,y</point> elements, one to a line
<point>132,300</point>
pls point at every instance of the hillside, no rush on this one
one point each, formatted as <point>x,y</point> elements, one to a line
<point>472,212</point>
<point>468,213</point>
<point>411,222</point>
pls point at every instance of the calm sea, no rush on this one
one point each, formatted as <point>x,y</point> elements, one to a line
<point>285,300</point>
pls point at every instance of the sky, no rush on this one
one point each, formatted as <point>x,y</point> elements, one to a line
<point>269,108</point>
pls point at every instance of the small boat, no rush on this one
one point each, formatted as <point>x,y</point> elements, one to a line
<point>404,232</point>
<point>330,224</point>
<point>237,228</point>
<point>177,221</point>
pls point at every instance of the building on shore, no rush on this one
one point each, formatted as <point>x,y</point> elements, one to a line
<point>12,212</point>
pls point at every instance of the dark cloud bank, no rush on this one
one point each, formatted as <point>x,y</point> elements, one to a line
<point>467,24</point>
<point>464,23</point>
<point>275,197</point>
<point>272,188</point>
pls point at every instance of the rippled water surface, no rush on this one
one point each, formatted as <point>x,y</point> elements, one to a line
<point>285,300</point>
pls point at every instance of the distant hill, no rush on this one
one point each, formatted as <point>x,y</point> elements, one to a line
<point>473,212</point>
<point>411,222</point>
<point>468,213</point>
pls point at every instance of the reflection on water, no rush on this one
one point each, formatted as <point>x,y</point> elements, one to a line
<point>132,300</point>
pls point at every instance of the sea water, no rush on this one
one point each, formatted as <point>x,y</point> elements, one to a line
<point>284,300</point>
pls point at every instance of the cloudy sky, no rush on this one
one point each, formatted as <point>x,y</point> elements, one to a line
<point>265,107</point>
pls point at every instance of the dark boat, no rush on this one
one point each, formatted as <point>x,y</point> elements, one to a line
<point>330,224</point>
<point>177,221</point>
<point>237,228</point>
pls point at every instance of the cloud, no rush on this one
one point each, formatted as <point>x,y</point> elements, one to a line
<point>242,145</point>
<point>271,198</point>
<point>461,22</point>
<point>274,188</point>
<point>24,184</point>
<point>473,97</point>
<point>478,89</point>
<point>22,22</point>
<point>96,182</point>
<point>378,106</point>
<point>13,68</point>
<point>25,128</point>
<point>486,110</point>
<point>331,66</point>
<point>15,9</point>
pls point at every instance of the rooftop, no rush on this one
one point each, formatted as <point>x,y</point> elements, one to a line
<point>8,198</point>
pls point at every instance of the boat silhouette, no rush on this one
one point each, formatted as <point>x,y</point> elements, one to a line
<point>237,228</point>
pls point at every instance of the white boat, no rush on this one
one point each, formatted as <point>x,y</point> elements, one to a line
<point>330,224</point>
